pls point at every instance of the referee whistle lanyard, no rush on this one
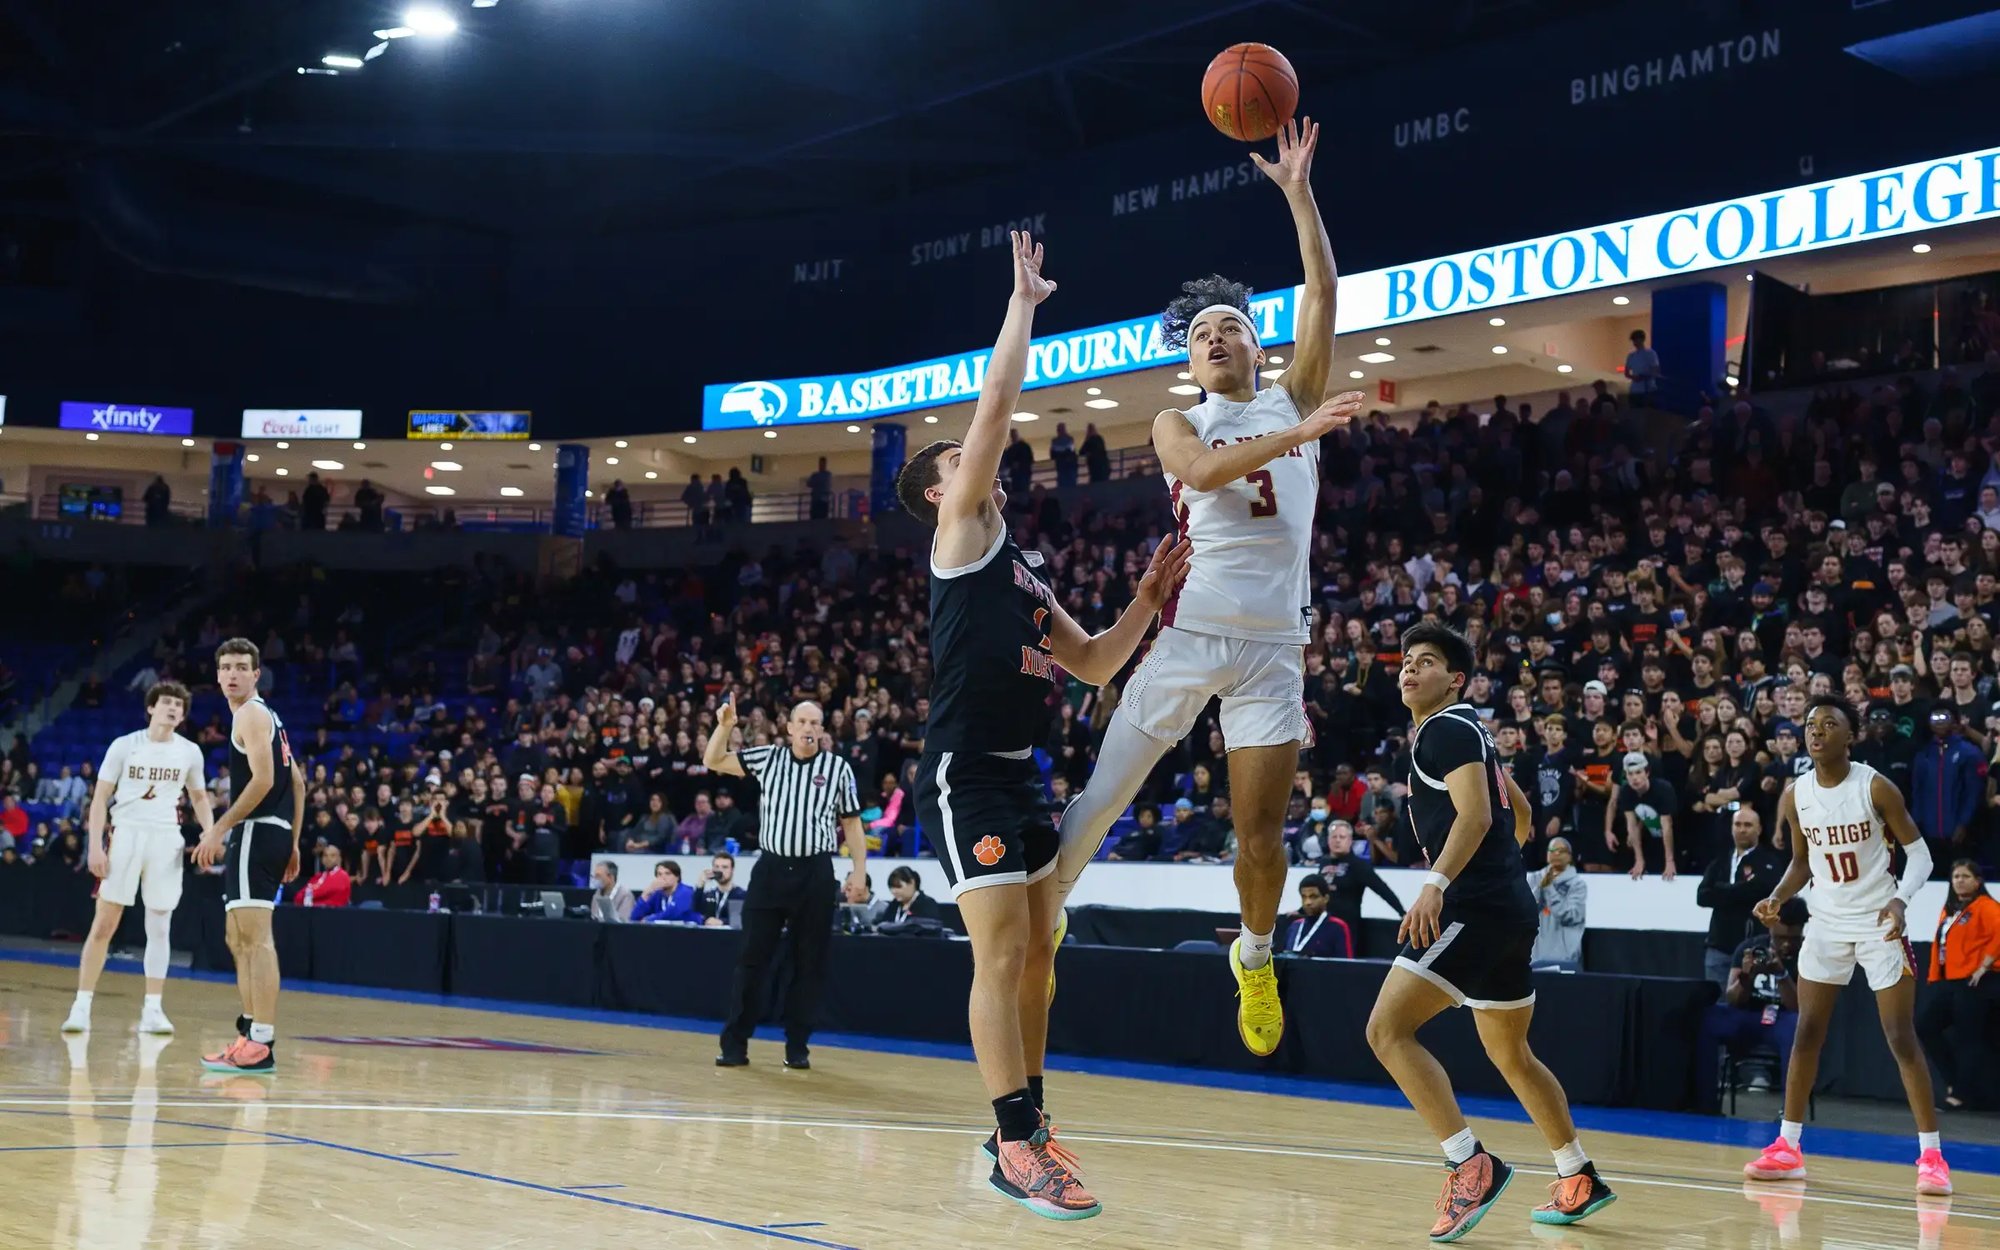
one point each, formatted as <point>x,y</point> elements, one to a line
<point>1306,940</point>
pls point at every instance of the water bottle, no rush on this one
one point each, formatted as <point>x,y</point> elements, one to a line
<point>435,900</point>
<point>309,896</point>
<point>729,844</point>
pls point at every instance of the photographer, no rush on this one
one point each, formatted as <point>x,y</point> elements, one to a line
<point>719,890</point>
<point>1760,1005</point>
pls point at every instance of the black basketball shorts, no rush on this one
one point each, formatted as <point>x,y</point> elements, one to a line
<point>986,817</point>
<point>1480,960</point>
<point>254,866</point>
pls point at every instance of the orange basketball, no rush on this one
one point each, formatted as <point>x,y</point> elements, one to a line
<point>1250,91</point>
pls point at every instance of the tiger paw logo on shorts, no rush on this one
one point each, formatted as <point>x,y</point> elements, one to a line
<point>988,850</point>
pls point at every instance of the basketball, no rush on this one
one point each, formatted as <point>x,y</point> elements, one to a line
<point>1250,91</point>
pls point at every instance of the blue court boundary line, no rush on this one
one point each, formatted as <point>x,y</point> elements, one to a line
<point>164,1145</point>
<point>273,1138</point>
<point>1860,1144</point>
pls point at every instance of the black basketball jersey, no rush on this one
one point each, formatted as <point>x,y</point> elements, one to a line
<point>277,801</point>
<point>992,671</point>
<point>1494,880</point>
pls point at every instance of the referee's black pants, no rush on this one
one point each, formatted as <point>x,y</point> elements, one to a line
<point>786,894</point>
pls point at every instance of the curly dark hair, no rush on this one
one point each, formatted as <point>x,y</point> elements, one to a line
<point>1195,296</point>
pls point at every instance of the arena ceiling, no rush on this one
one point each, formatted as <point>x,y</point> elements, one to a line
<point>607,115</point>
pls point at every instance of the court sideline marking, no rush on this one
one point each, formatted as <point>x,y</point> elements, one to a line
<point>278,1139</point>
<point>1225,1145</point>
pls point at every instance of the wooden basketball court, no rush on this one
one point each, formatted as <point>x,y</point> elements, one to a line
<point>441,1127</point>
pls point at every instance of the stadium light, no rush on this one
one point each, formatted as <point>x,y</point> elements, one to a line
<point>395,32</point>
<point>187,442</point>
<point>1100,403</point>
<point>1376,358</point>
<point>1356,374</point>
<point>427,19</point>
<point>1381,342</point>
<point>611,460</point>
<point>512,492</point>
<point>767,434</point>
<point>534,446</point>
<point>340,60</point>
<point>1183,388</point>
<point>1027,416</point>
<point>446,466</point>
<point>1565,369</point>
<point>331,466</point>
<point>439,490</point>
<point>687,438</point>
<point>854,429</point>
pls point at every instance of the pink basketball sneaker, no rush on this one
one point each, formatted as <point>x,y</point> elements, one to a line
<point>1781,1161</point>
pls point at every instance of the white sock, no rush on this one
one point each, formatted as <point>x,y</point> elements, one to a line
<point>1928,1141</point>
<point>263,1034</point>
<point>83,998</point>
<point>1570,1159</point>
<point>1460,1146</point>
<point>152,1002</point>
<point>1791,1131</point>
<point>1256,949</point>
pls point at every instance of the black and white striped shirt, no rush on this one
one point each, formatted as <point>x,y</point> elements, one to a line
<point>803,800</point>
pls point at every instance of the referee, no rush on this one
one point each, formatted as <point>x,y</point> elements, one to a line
<point>808,797</point>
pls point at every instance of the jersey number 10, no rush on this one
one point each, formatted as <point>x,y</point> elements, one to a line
<point>1842,868</point>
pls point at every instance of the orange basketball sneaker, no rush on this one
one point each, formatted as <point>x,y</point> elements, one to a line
<point>1034,1174</point>
<point>242,1055</point>
<point>1470,1190</point>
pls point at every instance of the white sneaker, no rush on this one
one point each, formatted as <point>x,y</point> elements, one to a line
<point>154,1020</point>
<point>79,1019</point>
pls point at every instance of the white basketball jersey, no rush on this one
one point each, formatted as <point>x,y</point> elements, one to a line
<point>1848,847</point>
<point>151,776</point>
<point>1249,574</point>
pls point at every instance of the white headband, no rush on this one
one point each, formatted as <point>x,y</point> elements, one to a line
<point>1249,323</point>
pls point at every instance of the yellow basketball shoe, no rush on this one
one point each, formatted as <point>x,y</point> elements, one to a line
<point>1062,931</point>
<point>1260,1017</point>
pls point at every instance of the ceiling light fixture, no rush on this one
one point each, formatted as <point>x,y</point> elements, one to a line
<point>534,446</point>
<point>340,60</point>
<point>90,437</point>
<point>1496,321</point>
<point>621,444</point>
<point>187,442</point>
<point>767,434</point>
<point>611,460</point>
<point>1499,350</point>
<point>426,19</point>
<point>1564,369</point>
<point>1027,416</point>
<point>1276,360</point>
<point>283,472</point>
<point>511,492</point>
<point>361,447</point>
<point>854,429</point>
<point>1375,358</point>
<point>331,466</point>
<point>375,51</point>
<point>253,457</point>
<point>1185,376</point>
<point>395,32</point>
<point>1184,388</point>
<point>439,490</point>
<point>1730,379</point>
<point>1356,374</point>
<point>1381,342</point>
<point>930,420</point>
<point>444,446</point>
<point>284,446</point>
<point>446,466</point>
<point>1094,390</point>
<point>687,438</point>
<point>651,475</point>
<point>1620,300</point>
<point>1100,403</point>
<point>1920,248</point>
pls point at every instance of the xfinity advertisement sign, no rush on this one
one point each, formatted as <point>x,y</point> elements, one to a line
<point>302,423</point>
<point>1742,232</point>
<point>126,418</point>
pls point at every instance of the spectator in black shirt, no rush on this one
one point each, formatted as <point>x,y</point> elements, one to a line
<point>1347,877</point>
<point>1143,842</point>
<point>910,901</point>
<point>1736,881</point>
<point>1760,1003</point>
<point>1095,458</point>
<point>312,504</point>
<point>1646,807</point>
<point>1883,750</point>
<point>369,501</point>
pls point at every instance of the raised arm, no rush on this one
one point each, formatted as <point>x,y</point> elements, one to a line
<point>970,490</point>
<point>716,755</point>
<point>1312,354</point>
<point>1097,659</point>
<point>1210,468</point>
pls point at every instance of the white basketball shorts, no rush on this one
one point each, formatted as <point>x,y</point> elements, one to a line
<point>149,856</point>
<point>1262,686</point>
<point>1830,958</point>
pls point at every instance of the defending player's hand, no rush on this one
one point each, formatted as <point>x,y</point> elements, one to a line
<point>1420,923</point>
<point>1332,415</point>
<point>1296,144</point>
<point>1765,912</point>
<point>1893,915</point>
<point>209,849</point>
<point>1029,284</point>
<point>1164,574</point>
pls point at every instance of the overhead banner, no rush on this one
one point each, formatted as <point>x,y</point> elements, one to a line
<point>1746,231</point>
<point>470,425</point>
<point>302,423</point>
<point>126,418</point>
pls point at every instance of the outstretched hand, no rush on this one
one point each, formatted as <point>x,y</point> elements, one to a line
<point>1296,143</point>
<point>1164,575</point>
<point>1029,284</point>
<point>1332,415</point>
